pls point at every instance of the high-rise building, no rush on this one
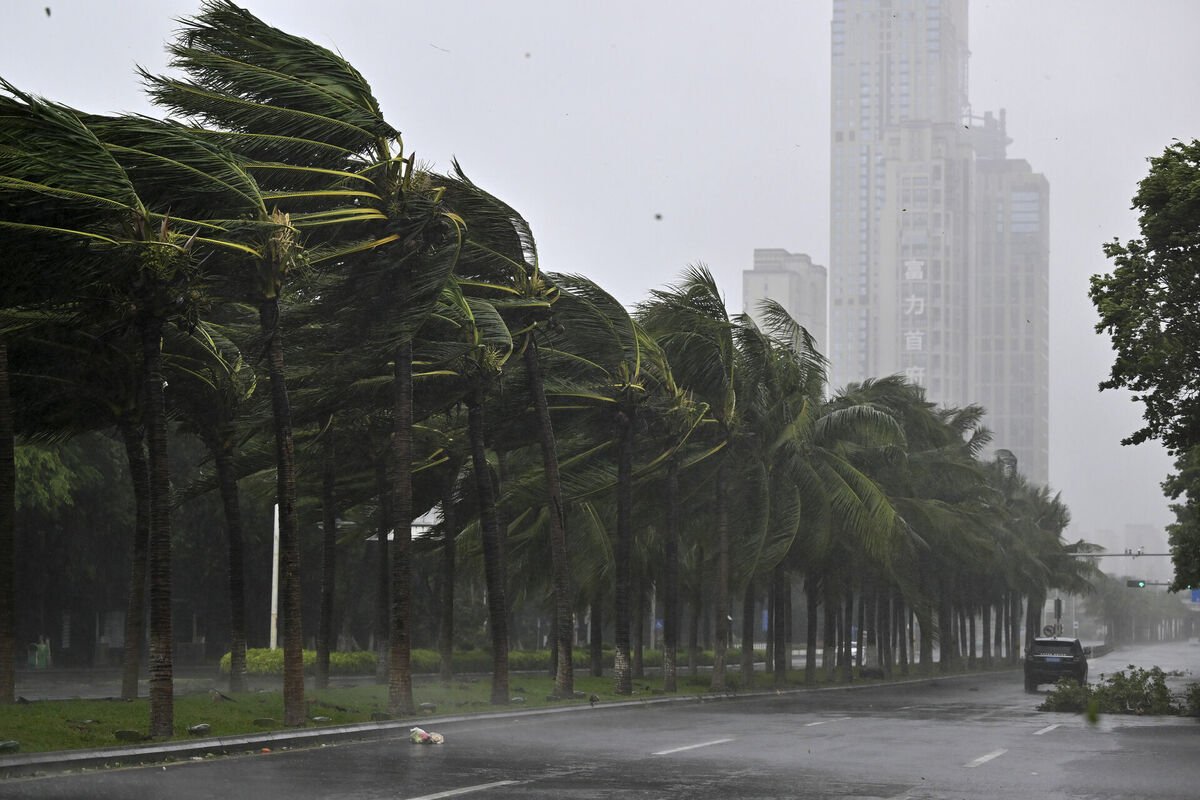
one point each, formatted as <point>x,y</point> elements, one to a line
<point>793,281</point>
<point>935,235</point>
<point>1010,302</point>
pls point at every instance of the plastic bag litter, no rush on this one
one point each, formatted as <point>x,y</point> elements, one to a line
<point>420,736</point>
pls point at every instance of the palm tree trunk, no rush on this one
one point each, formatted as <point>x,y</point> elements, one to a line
<point>812,599</point>
<point>884,617</point>
<point>671,580</point>
<point>501,476</point>
<point>289,535</point>
<point>829,642</point>
<point>497,605</point>
<point>1014,627</point>
<point>622,680</point>
<point>694,629</point>
<point>747,654</point>
<point>861,638</point>
<point>328,557</point>
<point>945,624</point>
<point>162,692</point>
<point>986,653</point>
<point>847,660</point>
<point>962,612</point>
<point>8,505</point>
<point>972,656</point>
<point>350,608</point>
<point>222,451</point>
<point>596,639</point>
<point>780,649</point>
<point>721,628</point>
<point>400,697</point>
<point>902,634</point>
<point>383,573</point>
<point>564,676</point>
<point>449,536</point>
<point>998,633</point>
<point>638,630</point>
<point>135,596</point>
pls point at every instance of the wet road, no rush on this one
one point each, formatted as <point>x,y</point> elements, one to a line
<point>973,737</point>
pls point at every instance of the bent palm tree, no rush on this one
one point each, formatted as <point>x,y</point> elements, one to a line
<point>314,136</point>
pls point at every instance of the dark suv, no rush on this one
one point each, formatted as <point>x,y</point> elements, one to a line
<point>1053,658</point>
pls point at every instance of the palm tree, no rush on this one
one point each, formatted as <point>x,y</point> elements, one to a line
<point>210,385</point>
<point>139,269</point>
<point>8,480</point>
<point>487,346</point>
<point>690,322</point>
<point>313,134</point>
<point>499,262</point>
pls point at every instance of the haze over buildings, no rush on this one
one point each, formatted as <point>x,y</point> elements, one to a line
<point>793,281</point>
<point>939,247</point>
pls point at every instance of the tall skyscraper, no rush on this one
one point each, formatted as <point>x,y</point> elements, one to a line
<point>793,281</point>
<point>1010,302</point>
<point>912,268</point>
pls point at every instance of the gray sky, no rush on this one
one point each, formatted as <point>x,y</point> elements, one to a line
<point>593,118</point>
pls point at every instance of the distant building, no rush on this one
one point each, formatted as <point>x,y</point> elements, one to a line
<point>1010,304</point>
<point>938,242</point>
<point>793,281</point>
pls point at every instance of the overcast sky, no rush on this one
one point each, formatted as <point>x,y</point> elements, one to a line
<point>594,118</point>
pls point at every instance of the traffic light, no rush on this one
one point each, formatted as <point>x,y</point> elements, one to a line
<point>1136,584</point>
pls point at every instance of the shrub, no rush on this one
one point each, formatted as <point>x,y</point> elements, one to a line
<point>270,662</point>
<point>471,660</point>
<point>1191,700</point>
<point>1140,691</point>
<point>1067,695</point>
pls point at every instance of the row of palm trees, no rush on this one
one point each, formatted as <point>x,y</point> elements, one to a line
<point>154,270</point>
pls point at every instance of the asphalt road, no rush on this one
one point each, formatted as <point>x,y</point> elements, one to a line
<point>970,737</point>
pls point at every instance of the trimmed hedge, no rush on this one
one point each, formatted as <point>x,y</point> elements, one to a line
<point>428,662</point>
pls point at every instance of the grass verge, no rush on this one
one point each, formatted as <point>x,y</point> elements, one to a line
<point>51,725</point>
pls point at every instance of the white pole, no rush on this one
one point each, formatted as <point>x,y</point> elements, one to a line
<point>275,583</point>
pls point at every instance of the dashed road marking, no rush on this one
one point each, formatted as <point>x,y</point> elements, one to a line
<point>1046,729</point>
<point>465,790</point>
<point>823,721</point>
<point>690,747</point>
<point>985,758</point>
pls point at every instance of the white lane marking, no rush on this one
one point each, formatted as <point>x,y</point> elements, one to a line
<point>1046,729</point>
<point>823,721</point>
<point>690,747</point>
<point>464,790</point>
<point>985,759</point>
